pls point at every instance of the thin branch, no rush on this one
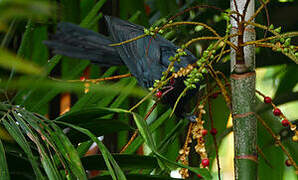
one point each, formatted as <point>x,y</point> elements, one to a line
<point>197,7</point>
<point>245,9</point>
<point>267,16</point>
<point>137,131</point>
<point>213,135</point>
<point>221,86</point>
<point>277,140</point>
<point>191,23</point>
<point>129,40</point>
<point>259,10</point>
<point>263,156</point>
<point>237,10</point>
<point>94,80</point>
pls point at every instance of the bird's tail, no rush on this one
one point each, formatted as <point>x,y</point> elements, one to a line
<point>76,42</point>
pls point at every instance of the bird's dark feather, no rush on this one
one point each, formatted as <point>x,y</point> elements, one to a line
<point>146,58</point>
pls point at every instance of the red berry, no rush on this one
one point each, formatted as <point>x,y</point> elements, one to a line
<point>277,112</point>
<point>158,94</point>
<point>172,81</point>
<point>199,176</point>
<point>214,95</point>
<point>213,131</point>
<point>205,162</point>
<point>204,132</point>
<point>267,100</point>
<point>82,78</point>
<point>285,123</point>
<point>288,163</point>
<point>147,9</point>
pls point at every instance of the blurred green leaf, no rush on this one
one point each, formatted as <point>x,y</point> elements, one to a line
<point>24,9</point>
<point>10,61</point>
<point>58,86</point>
<point>26,94</point>
<point>288,80</point>
<point>91,98</point>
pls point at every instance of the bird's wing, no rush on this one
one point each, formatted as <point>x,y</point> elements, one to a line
<point>168,50</point>
<point>142,56</point>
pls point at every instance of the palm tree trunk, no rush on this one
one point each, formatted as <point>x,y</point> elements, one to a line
<point>243,93</point>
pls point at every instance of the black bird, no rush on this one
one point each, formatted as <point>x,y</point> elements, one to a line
<point>146,58</point>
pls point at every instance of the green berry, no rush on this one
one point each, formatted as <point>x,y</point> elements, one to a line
<point>204,70</point>
<point>288,42</point>
<point>172,69</point>
<point>278,30</point>
<point>210,47</point>
<point>271,27</point>
<point>146,31</point>
<point>286,50</point>
<point>282,40</point>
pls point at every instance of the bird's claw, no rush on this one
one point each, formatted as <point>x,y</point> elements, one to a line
<point>192,118</point>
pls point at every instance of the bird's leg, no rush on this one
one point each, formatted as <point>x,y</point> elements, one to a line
<point>191,118</point>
